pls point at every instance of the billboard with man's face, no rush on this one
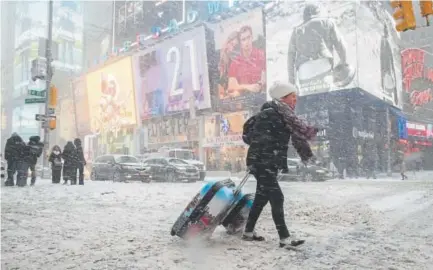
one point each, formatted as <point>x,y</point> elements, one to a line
<point>333,45</point>
<point>239,45</point>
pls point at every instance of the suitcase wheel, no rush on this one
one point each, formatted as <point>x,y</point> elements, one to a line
<point>173,233</point>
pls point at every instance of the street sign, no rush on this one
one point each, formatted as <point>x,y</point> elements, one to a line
<point>34,100</point>
<point>36,93</point>
<point>42,117</point>
<point>39,117</point>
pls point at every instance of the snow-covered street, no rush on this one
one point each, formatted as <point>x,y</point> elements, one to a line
<point>350,224</point>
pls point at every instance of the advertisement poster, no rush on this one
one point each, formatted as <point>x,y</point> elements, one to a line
<point>174,76</point>
<point>111,97</point>
<point>416,129</point>
<point>81,104</point>
<point>241,56</point>
<point>417,66</point>
<point>378,52</point>
<point>225,129</point>
<point>332,45</point>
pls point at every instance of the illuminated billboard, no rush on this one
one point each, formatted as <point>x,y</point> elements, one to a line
<point>333,45</point>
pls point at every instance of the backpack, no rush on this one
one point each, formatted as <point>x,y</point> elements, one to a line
<point>57,162</point>
<point>36,150</point>
<point>248,129</point>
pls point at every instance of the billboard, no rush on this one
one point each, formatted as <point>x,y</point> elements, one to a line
<point>225,129</point>
<point>142,17</point>
<point>81,104</point>
<point>240,54</point>
<point>417,129</point>
<point>332,45</point>
<point>111,96</point>
<point>417,66</point>
<point>173,75</point>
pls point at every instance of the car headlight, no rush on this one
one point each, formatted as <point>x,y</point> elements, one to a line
<point>182,169</point>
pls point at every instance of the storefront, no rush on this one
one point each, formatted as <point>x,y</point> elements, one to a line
<point>177,131</point>
<point>418,145</point>
<point>223,145</point>
<point>354,128</point>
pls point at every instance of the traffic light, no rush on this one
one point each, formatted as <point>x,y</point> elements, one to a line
<point>403,15</point>
<point>52,123</point>
<point>52,102</point>
<point>426,8</point>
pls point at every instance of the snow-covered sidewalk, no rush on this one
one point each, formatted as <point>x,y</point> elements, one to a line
<point>105,225</point>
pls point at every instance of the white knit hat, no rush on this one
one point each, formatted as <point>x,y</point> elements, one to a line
<point>279,90</point>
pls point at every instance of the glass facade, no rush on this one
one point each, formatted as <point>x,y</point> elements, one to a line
<point>31,30</point>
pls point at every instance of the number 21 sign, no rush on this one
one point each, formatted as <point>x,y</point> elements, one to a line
<point>184,64</point>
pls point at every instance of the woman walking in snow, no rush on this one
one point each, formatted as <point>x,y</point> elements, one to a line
<point>56,164</point>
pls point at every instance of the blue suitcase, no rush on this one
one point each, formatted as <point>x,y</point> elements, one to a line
<point>220,202</point>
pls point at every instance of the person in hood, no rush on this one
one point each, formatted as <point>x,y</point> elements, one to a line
<point>13,150</point>
<point>56,164</point>
<point>268,134</point>
<point>70,163</point>
<point>36,148</point>
<point>25,159</point>
<point>81,162</point>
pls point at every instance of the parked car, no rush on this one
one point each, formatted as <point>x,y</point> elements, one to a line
<point>172,170</point>
<point>186,155</point>
<point>3,170</point>
<point>119,168</point>
<point>142,157</point>
<point>299,172</point>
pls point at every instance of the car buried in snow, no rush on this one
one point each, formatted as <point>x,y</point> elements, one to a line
<point>119,168</point>
<point>297,171</point>
<point>172,170</point>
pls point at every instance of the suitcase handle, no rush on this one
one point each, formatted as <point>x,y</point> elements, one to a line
<point>236,192</point>
<point>241,184</point>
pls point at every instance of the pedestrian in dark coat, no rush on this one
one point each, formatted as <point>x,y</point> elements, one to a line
<point>24,161</point>
<point>56,164</point>
<point>81,162</point>
<point>36,148</point>
<point>12,154</point>
<point>268,133</point>
<point>70,163</point>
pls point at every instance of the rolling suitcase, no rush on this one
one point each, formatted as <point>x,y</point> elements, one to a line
<point>209,208</point>
<point>237,218</point>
